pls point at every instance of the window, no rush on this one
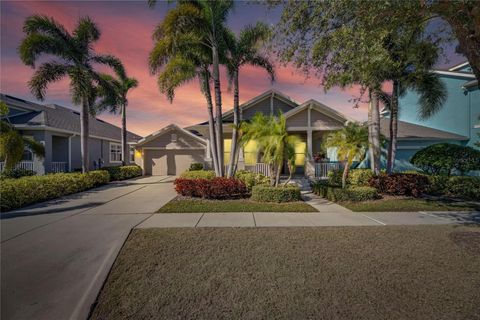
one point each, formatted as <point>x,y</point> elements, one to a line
<point>115,152</point>
<point>174,137</point>
<point>132,154</point>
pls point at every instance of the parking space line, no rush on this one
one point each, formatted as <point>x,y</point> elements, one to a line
<point>373,219</point>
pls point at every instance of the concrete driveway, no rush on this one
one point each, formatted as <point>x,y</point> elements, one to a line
<point>56,255</point>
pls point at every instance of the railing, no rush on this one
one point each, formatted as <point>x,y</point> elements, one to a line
<point>323,168</point>
<point>262,168</point>
<point>25,165</point>
<point>59,167</point>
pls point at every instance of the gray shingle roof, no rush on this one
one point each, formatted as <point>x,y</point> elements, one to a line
<point>407,130</point>
<point>61,118</point>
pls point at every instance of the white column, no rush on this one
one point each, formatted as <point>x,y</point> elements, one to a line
<point>309,163</point>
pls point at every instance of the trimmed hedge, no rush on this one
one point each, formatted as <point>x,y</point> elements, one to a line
<point>123,172</point>
<point>264,193</point>
<point>198,174</point>
<point>352,193</point>
<point>16,193</point>
<point>216,188</point>
<point>16,173</point>
<point>463,187</point>
<point>251,179</point>
<point>400,184</point>
<point>360,177</point>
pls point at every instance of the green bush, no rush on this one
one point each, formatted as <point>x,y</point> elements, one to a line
<point>123,172</point>
<point>196,166</point>
<point>16,193</point>
<point>351,193</point>
<point>335,177</point>
<point>16,173</point>
<point>198,174</point>
<point>437,184</point>
<point>264,193</point>
<point>444,158</point>
<point>359,177</point>
<point>251,179</point>
<point>463,187</point>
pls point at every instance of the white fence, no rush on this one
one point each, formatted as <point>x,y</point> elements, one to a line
<point>59,167</point>
<point>25,165</point>
<point>323,168</point>
<point>262,168</point>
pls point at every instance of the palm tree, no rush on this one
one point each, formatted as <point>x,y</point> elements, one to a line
<point>74,57</point>
<point>12,143</point>
<point>206,20</point>
<point>242,51</point>
<point>351,143</point>
<point>273,142</point>
<point>118,100</point>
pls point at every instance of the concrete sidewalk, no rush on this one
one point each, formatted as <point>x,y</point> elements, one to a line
<point>309,219</point>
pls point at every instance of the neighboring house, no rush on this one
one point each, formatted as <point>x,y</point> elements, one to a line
<point>58,128</point>
<point>456,122</point>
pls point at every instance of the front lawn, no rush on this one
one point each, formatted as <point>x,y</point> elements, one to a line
<point>394,272</point>
<point>409,204</point>
<point>182,205</point>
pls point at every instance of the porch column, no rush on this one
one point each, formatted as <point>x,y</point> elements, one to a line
<point>309,162</point>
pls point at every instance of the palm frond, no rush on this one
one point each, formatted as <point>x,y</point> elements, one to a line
<point>111,61</point>
<point>36,147</point>
<point>48,26</point>
<point>177,72</point>
<point>86,32</point>
<point>47,73</point>
<point>35,44</point>
<point>433,94</point>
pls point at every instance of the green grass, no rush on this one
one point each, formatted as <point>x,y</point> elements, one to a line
<point>397,205</point>
<point>392,272</point>
<point>241,205</point>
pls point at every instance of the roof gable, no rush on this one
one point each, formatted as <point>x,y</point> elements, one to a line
<point>321,108</point>
<point>167,129</point>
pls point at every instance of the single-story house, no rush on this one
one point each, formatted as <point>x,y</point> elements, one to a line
<point>58,129</point>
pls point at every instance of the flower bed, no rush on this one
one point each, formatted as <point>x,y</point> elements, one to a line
<point>216,188</point>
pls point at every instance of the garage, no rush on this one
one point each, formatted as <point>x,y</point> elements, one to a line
<point>170,162</point>
<point>169,151</point>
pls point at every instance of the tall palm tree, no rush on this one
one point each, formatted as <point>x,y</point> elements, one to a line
<point>242,51</point>
<point>206,20</point>
<point>351,143</point>
<point>74,57</point>
<point>121,85</point>
<point>12,143</point>
<point>273,141</point>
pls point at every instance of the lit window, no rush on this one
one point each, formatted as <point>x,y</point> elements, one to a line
<point>115,152</point>
<point>132,154</point>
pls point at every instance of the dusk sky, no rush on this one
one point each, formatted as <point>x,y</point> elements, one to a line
<point>126,33</point>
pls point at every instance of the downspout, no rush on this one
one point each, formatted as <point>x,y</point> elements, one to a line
<point>70,152</point>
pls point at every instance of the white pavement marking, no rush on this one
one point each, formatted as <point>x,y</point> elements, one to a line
<point>375,220</point>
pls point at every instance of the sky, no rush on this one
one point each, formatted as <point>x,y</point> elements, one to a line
<point>126,28</point>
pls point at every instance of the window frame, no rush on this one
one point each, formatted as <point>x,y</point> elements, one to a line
<point>116,152</point>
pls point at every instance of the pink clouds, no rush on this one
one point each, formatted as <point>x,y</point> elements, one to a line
<point>126,32</point>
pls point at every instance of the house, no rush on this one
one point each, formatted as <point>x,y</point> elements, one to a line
<point>172,149</point>
<point>58,128</point>
<point>458,121</point>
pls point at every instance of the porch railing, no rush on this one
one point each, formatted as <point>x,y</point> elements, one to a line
<point>59,167</point>
<point>262,168</point>
<point>25,165</point>
<point>323,168</point>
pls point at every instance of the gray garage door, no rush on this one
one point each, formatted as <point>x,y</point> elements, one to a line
<point>170,162</point>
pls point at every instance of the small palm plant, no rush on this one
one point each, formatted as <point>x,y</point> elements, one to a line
<point>12,143</point>
<point>351,143</point>
<point>273,141</point>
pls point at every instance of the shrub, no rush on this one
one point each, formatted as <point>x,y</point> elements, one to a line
<point>352,193</point>
<point>198,174</point>
<point>251,179</point>
<point>265,193</point>
<point>16,193</point>
<point>335,177</point>
<point>359,177</point>
<point>196,166</point>
<point>123,172</point>
<point>442,158</point>
<point>400,184</point>
<point>463,187</point>
<point>16,173</point>
<point>216,188</point>
<point>437,184</point>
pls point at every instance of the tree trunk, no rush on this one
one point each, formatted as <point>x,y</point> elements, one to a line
<point>345,174</point>
<point>290,174</point>
<point>272,174</point>
<point>211,126</point>
<point>84,119</point>
<point>277,175</point>
<point>218,110</point>
<point>125,149</point>
<point>370,123</point>
<point>232,167</point>
<point>375,132</point>
<point>392,147</point>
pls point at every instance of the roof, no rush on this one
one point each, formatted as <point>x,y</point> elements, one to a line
<point>55,117</point>
<point>320,107</point>
<point>410,131</point>
<point>166,129</point>
<point>459,66</point>
<point>471,84</point>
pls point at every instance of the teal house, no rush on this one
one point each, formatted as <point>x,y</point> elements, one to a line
<point>457,121</point>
